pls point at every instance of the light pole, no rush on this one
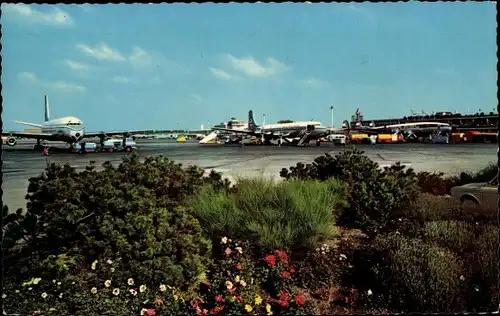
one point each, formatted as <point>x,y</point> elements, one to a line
<point>331,109</point>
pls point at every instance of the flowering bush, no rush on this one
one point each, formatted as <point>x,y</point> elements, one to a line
<point>238,284</point>
<point>98,291</point>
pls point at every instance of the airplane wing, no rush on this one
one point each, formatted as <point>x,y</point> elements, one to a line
<point>112,133</point>
<point>42,136</point>
<point>235,131</point>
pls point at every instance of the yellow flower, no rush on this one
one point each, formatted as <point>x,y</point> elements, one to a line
<point>232,298</point>
<point>229,285</point>
<point>44,295</point>
<point>268,309</point>
<point>142,288</point>
<point>94,264</point>
<point>176,297</point>
<point>258,300</point>
<point>248,308</point>
<point>237,279</point>
<point>36,280</point>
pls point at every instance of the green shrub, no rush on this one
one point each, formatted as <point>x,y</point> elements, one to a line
<point>133,211</point>
<point>284,215</point>
<point>373,193</point>
<point>418,277</point>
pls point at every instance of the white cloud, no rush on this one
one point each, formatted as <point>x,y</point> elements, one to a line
<point>101,52</point>
<point>29,77</point>
<point>121,79</point>
<point>314,83</point>
<point>253,68</point>
<point>221,74</point>
<point>25,13</point>
<point>140,58</point>
<point>76,65</point>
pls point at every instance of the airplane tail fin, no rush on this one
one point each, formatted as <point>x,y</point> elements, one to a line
<point>47,110</point>
<point>251,123</point>
<point>345,125</point>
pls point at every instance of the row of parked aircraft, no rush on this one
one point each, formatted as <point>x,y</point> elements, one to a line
<point>71,130</point>
<point>299,133</point>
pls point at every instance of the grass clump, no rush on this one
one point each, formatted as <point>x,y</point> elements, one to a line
<point>284,215</point>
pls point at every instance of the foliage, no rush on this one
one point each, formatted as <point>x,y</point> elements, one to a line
<point>133,211</point>
<point>373,193</point>
<point>286,215</point>
<point>477,246</point>
<point>418,277</point>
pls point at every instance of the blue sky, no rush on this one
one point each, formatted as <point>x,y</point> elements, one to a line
<point>183,65</point>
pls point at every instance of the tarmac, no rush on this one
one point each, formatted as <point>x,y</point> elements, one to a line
<point>234,161</point>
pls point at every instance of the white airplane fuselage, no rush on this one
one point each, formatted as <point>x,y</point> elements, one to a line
<point>69,128</point>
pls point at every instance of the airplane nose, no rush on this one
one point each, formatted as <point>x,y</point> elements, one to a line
<point>77,134</point>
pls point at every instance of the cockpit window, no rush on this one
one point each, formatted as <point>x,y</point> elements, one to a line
<point>73,124</point>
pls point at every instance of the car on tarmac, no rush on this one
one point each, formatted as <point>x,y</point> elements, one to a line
<point>483,195</point>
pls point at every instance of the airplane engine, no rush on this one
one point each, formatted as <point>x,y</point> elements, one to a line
<point>11,141</point>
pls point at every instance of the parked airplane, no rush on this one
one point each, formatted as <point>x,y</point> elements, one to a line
<point>409,130</point>
<point>68,129</point>
<point>296,133</point>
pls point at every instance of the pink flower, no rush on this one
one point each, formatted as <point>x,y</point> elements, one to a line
<point>218,298</point>
<point>228,251</point>
<point>285,274</point>
<point>271,260</point>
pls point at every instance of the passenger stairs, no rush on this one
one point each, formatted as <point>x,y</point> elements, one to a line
<point>303,139</point>
<point>210,138</point>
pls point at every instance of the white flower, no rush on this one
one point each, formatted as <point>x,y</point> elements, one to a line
<point>163,288</point>
<point>4,295</point>
<point>44,295</point>
<point>325,245</point>
<point>229,285</point>
<point>94,264</point>
<point>369,292</point>
<point>224,240</point>
<point>60,295</point>
<point>30,288</point>
<point>112,270</point>
<point>144,311</point>
<point>107,283</point>
<point>243,283</point>
<point>109,262</point>
<point>240,250</point>
<point>317,249</point>
<point>73,283</point>
<point>116,291</point>
<point>462,278</point>
<point>343,257</point>
<point>133,292</point>
<point>130,281</point>
<point>142,288</point>
<point>93,290</point>
<point>58,283</point>
<point>53,281</point>
<point>17,291</point>
<point>323,252</point>
<point>237,279</point>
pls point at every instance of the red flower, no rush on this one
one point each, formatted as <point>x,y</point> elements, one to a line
<point>271,260</point>
<point>299,299</point>
<point>218,298</point>
<point>238,266</point>
<point>238,298</point>
<point>292,270</point>
<point>285,274</point>
<point>283,303</point>
<point>150,312</point>
<point>284,296</point>
<point>217,309</point>
<point>283,256</point>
